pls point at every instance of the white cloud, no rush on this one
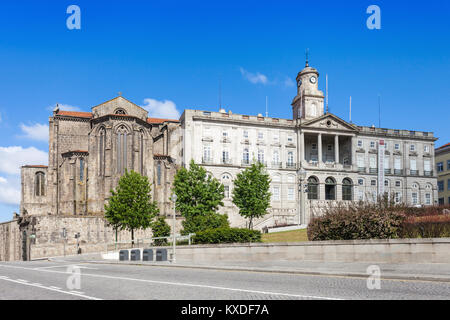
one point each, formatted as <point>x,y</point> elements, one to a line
<point>254,77</point>
<point>14,157</point>
<point>161,109</point>
<point>37,131</point>
<point>10,190</point>
<point>289,83</point>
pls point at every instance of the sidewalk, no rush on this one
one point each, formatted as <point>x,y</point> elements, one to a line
<point>424,272</point>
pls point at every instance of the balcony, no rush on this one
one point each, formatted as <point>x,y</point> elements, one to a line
<point>398,172</point>
<point>207,160</point>
<point>387,171</point>
<point>413,172</point>
<point>362,169</point>
<point>276,165</point>
<point>373,170</point>
<point>226,161</point>
<point>428,173</point>
<point>291,165</point>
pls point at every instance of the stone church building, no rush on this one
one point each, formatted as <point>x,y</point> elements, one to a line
<point>314,159</point>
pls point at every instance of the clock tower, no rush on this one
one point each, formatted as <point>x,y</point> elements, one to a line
<point>308,103</point>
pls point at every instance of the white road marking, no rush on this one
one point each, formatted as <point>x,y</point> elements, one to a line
<point>22,280</point>
<point>79,292</point>
<point>51,289</point>
<point>182,284</point>
<point>37,284</point>
<point>66,265</point>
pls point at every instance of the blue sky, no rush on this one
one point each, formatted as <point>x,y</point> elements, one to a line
<point>168,54</point>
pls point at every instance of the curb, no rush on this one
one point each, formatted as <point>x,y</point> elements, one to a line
<point>287,271</point>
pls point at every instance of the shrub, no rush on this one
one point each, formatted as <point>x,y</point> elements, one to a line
<point>160,228</point>
<point>207,221</point>
<point>227,235</point>
<point>357,221</point>
<point>433,226</point>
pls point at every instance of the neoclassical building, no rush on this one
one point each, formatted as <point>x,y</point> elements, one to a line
<point>328,158</point>
<point>314,159</point>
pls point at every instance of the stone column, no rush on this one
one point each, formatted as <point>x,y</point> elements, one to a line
<point>336,149</point>
<point>319,148</point>
<point>302,148</point>
<point>353,152</point>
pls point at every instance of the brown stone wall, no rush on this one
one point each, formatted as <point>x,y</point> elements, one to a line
<point>10,241</point>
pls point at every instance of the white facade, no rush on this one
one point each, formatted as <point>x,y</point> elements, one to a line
<point>345,169</point>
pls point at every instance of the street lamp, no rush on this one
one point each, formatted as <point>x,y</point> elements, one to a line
<point>174,241</point>
<point>302,176</point>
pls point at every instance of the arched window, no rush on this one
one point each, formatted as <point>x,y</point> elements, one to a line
<point>101,151</point>
<point>120,111</point>
<point>121,149</point>
<point>158,173</point>
<point>141,152</point>
<point>330,189</point>
<point>313,188</point>
<point>39,184</point>
<point>347,193</point>
<point>226,181</point>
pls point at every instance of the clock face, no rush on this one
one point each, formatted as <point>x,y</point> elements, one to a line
<point>313,79</point>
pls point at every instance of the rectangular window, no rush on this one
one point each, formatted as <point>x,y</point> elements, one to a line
<point>440,166</point>
<point>398,183</point>
<point>290,158</point>
<point>225,134</point>
<point>245,134</point>
<point>261,156</point>
<point>291,193</point>
<point>360,195</point>
<point>276,193</point>
<point>397,164</point>
<point>276,137</point>
<point>360,143</point>
<point>427,165</point>
<point>260,135</point>
<point>448,164</point>
<point>427,198</point>
<point>440,185</point>
<point>448,185</point>
<point>373,182</point>
<point>361,182</point>
<point>414,198</point>
<point>360,161</point>
<point>245,156</point>
<point>412,147</point>
<point>226,191</point>
<point>314,146</point>
<point>290,138</point>
<point>397,146</point>
<point>372,144</point>
<point>413,164</point>
<point>373,161</point>
<point>398,197</point>
<point>426,148</point>
<point>225,156</point>
<point>386,162</point>
<point>207,153</point>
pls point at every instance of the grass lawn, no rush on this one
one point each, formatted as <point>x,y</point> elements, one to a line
<point>286,236</point>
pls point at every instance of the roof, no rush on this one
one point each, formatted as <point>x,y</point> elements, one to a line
<point>34,166</point>
<point>443,147</point>
<point>159,121</point>
<point>77,114</point>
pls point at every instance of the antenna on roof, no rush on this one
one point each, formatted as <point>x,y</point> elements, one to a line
<point>379,111</point>
<point>220,92</point>
<point>267,108</point>
<point>350,110</point>
<point>326,90</point>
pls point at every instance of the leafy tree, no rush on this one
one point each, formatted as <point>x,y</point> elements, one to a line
<point>160,228</point>
<point>198,198</point>
<point>251,192</point>
<point>130,206</point>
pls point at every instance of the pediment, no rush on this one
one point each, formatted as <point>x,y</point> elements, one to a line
<point>331,122</point>
<point>119,105</point>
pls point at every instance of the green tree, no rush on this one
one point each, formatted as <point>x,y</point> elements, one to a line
<point>251,192</point>
<point>198,198</point>
<point>130,206</point>
<point>160,228</point>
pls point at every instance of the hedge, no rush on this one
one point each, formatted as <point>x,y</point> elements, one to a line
<point>226,235</point>
<point>381,220</point>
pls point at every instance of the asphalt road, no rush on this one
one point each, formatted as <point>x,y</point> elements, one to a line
<point>58,280</point>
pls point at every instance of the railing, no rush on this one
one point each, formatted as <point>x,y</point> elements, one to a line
<point>373,170</point>
<point>207,160</point>
<point>398,172</point>
<point>147,242</point>
<point>387,171</point>
<point>428,173</point>
<point>276,164</point>
<point>414,172</point>
<point>362,169</point>
<point>290,165</point>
